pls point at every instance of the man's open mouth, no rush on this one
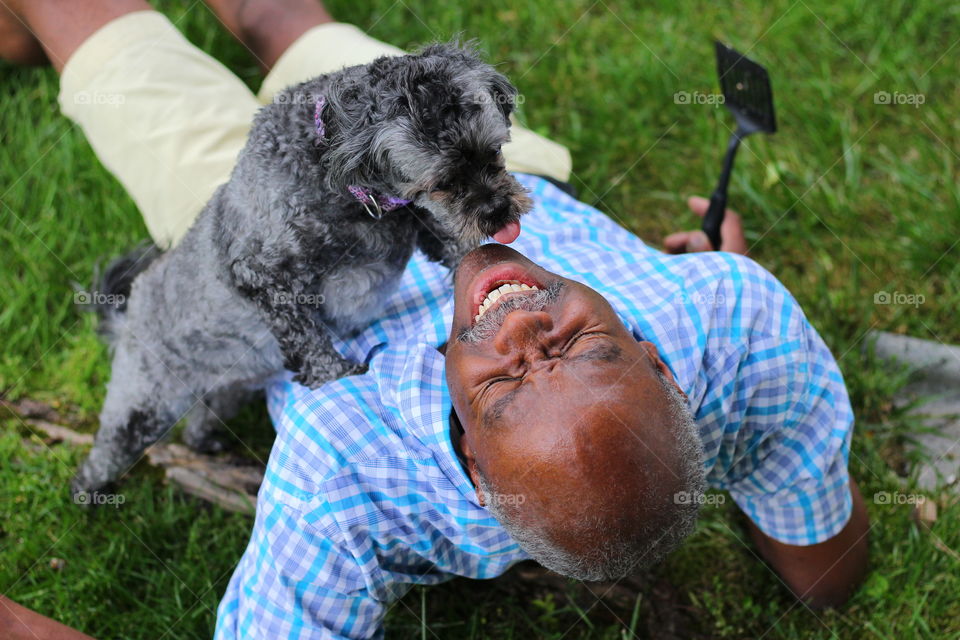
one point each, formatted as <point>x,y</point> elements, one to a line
<point>503,291</point>
<point>498,283</point>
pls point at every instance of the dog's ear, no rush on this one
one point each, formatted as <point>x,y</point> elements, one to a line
<point>350,150</point>
<point>503,94</point>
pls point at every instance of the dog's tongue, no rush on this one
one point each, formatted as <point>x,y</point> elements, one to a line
<point>508,234</point>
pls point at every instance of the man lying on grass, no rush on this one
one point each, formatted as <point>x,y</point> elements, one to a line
<point>564,401</point>
<point>567,401</point>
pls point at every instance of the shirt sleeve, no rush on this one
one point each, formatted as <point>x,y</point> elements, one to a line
<point>295,582</point>
<point>798,423</point>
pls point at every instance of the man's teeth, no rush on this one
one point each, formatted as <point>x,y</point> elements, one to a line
<point>494,295</point>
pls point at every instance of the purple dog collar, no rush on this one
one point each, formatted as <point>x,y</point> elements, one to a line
<point>377,200</point>
<point>365,196</point>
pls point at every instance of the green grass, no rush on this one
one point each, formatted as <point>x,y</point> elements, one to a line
<point>848,199</point>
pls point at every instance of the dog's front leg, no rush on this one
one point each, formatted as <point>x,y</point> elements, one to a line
<point>307,347</point>
<point>305,342</point>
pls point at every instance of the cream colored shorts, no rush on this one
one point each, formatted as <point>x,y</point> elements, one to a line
<point>168,120</point>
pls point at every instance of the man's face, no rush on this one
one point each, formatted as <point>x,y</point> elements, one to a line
<point>576,436</point>
<point>548,389</point>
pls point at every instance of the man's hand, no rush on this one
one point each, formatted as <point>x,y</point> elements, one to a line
<point>825,574</point>
<point>731,233</point>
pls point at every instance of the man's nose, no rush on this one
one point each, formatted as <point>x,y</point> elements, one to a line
<point>522,330</point>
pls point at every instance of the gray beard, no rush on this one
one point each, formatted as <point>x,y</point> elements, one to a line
<point>491,321</point>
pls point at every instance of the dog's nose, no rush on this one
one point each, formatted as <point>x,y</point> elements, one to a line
<point>495,217</point>
<point>500,211</point>
<point>495,204</point>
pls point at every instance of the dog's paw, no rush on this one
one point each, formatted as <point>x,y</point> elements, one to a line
<point>354,370</point>
<point>451,261</point>
<point>313,377</point>
<point>87,495</point>
<point>81,487</point>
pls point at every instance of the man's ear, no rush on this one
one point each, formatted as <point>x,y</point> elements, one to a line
<point>660,365</point>
<point>472,470</point>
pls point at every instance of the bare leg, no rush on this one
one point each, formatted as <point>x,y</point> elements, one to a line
<point>35,31</point>
<point>268,27</point>
<point>17,43</point>
<point>60,26</point>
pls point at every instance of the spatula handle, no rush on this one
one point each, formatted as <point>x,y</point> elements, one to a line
<point>718,201</point>
<point>714,217</point>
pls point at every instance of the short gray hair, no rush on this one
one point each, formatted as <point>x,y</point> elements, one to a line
<point>619,554</point>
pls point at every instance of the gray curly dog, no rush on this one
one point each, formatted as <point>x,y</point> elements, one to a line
<point>341,179</point>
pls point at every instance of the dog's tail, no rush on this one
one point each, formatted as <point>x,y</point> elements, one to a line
<point>111,288</point>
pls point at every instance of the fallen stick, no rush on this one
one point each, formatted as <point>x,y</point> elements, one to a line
<point>60,433</point>
<point>209,478</point>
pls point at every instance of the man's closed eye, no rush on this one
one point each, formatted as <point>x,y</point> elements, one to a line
<point>602,351</point>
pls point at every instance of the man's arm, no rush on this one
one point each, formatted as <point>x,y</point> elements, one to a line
<point>295,581</point>
<point>824,574</point>
<point>20,623</point>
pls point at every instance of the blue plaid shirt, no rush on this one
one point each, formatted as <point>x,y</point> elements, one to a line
<point>364,496</point>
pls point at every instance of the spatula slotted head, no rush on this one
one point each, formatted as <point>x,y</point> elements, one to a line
<point>746,90</point>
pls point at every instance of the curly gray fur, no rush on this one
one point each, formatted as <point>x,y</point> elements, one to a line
<point>282,256</point>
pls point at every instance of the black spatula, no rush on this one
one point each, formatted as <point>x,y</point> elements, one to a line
<point>747,94</point>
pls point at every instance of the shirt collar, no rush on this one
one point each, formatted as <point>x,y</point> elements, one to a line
<point>423,400</point>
